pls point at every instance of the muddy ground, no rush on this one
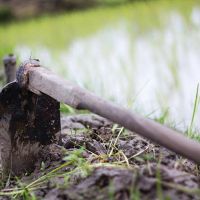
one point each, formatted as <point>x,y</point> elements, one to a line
<point>99,160</point>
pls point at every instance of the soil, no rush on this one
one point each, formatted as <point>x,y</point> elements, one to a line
<point>114,164</point>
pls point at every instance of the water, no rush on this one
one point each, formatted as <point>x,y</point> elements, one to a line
<point>152,73</point>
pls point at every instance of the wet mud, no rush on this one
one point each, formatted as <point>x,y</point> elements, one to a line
<point>112,163</point>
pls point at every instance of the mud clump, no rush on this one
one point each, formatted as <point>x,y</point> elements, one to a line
<point>98,160</point>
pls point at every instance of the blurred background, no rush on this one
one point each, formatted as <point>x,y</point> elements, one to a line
<point>141,54</point>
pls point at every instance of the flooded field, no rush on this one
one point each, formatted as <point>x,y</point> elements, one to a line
<point>154,72</point>
<point>143,55</point>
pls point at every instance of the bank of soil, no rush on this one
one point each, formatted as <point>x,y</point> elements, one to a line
<point>108,162</point>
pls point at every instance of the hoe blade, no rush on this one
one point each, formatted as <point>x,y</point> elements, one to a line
<point>27,122</point>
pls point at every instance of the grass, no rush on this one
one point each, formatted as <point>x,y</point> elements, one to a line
<point>135,194</point>
<point>58,31</point>
<point>195,107</point>
<point>74,159</point>
<point>75,164</point>
<point>65,109</point>
<point>159,188</point>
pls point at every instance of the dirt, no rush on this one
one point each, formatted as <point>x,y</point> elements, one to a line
<point>129,169</point>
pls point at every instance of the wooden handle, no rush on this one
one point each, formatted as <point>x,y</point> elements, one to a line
<point>43,80</point>
<point>10,67</point>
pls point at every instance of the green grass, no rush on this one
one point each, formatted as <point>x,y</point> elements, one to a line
<point>65,109</point>
<point>195,107</point>
<point>26,191</point>
<point>159,188</point>
<point>56,32</point>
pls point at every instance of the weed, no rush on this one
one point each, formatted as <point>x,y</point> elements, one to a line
<point>116,139</point>
<point>42,31</point>
<point>163,117</point>
<point>196,104</point>
<point>135,194</point>
<point>64,108</point>
<point>159,183</point>
<point>25,191</point>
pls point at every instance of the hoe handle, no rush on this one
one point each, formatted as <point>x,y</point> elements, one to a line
<point>43,80</point>
<point>10,67</point>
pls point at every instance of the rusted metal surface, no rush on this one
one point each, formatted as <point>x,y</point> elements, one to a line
<point>10,67</point>
<point>42,80</point>
<point>27,123</point>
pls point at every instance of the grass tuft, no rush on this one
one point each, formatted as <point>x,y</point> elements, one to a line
<point>195,108</point>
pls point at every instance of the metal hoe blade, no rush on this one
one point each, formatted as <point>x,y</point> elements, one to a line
<point>28,121</point>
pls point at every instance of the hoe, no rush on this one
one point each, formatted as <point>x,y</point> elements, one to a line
<point>30,117</point>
